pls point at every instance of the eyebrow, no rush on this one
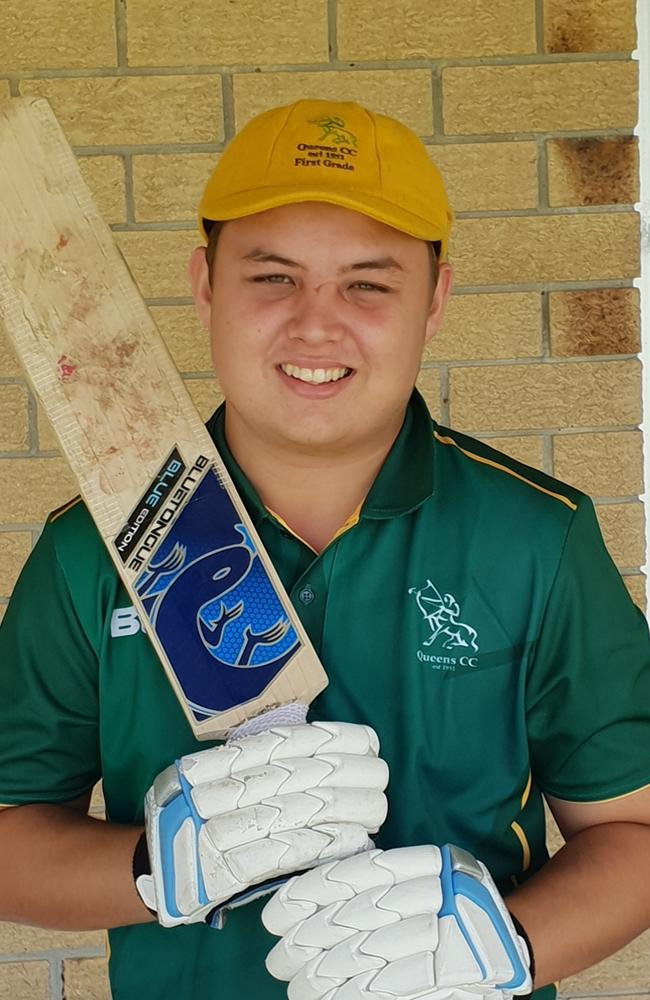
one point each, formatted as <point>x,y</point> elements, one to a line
<point>380,264</point>
<point>264,257</point>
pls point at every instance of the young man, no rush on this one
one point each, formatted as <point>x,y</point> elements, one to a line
<point>455,596</point>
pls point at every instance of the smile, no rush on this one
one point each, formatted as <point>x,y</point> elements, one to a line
<point>315,376</point>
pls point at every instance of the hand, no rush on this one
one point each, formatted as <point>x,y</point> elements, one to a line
<point>262,807</point>
<point>423,922</point>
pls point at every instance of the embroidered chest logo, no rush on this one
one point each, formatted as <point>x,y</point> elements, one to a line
<point>452,642</point>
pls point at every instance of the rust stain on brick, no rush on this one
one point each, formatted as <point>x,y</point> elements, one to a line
<point>571,30</point>
<point>589,25</point>
<point>600,321</point>
<point>600,171</point>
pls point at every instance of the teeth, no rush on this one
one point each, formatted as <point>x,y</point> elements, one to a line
<point>316,376</point>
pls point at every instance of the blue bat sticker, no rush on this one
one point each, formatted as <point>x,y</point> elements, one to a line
<point>212,606</point>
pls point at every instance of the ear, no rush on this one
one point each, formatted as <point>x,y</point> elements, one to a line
<point>197,272</point>
<point>439,301</point>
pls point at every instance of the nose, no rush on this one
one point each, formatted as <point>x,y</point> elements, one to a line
<point>316,315</point>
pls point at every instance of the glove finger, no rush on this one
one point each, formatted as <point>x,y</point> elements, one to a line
<point>366,806</point>
<point>311,982</point>
<point>302,896</point>
<point>360,988</point>
<point>364,987</point>
<point>276,744</point>
<point>322,738</point>
<point>361,807</point>
<point>298,774</point>
<point>282,854</point>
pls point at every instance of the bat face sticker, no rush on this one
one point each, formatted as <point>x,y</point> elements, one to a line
<point>215,609</point>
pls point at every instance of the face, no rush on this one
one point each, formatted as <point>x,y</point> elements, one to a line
<point>318,317</point>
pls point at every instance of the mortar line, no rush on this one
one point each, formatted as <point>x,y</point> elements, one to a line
<point>461,139</point>
<point>332,31</point>
<point>542,173</point>
<point>121,44</point>
<point>551,286</point>
<point>539,26</point>
<point>545,316</point>
<point>607,993</point>
<point>228,106</point>
<point>121,149</point>
<point>628,498</point>
<point>150,149</point>
<point>129,193</point>
<point>207,69</point>
<point>173,225</point>
<point>548,456</point>
<point>501,213</point>
<point>436,103</point>
<point>541,431</point>
<point>52,955</point>
<point>563,432</point>
<point>32,421</point>
<point>30,527</point>
<point>55,980</point>
<point>626,208</point>
<point>444,395</point>
<point>559,361</point>
<point>179,301</point>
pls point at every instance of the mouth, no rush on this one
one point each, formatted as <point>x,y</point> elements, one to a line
<point>315,376</point>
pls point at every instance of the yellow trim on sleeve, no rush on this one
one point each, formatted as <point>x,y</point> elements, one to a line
<point>62,510</point>
<point>523,840</point>
<point>504,468</point>
<point>526,793</point>
<point>597,802</point>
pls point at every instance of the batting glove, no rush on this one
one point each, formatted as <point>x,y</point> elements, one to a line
<point>222,821</point>
<point>423,922</point>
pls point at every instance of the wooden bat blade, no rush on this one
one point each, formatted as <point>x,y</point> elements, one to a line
<point>163,502</point>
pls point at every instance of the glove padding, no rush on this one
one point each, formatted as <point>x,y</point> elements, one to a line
<point>259,808</point>
<point>423,922</point>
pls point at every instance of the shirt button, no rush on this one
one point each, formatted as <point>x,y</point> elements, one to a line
<point>306,595</point>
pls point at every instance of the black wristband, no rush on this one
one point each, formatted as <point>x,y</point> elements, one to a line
<point>522,933</point>
<point>141,865</point>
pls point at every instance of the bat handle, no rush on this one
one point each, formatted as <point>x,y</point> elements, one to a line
<point>293,714</point>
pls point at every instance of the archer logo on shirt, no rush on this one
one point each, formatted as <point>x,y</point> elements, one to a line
<point>125,621</point>
<point>451,642</point>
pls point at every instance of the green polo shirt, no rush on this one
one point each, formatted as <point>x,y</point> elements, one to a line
<point>470,613</point>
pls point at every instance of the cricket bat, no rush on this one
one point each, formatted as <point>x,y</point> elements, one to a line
<point>179,535</point>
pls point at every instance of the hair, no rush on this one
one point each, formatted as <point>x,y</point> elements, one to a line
<point>213,230</point>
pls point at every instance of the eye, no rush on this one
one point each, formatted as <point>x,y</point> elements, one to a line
<point>369,286</point>
<point>272,279</point>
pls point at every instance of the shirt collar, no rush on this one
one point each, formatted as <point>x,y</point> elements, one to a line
<point>404,481</point>
<point>406,478</point>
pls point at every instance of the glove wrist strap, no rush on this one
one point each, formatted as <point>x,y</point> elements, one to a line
<point>141,868</point>
<point>521,931</point>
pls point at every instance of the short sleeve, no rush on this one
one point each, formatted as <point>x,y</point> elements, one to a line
<point>49,749</point>
<point>588,687</point>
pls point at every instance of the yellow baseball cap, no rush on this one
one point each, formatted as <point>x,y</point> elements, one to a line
<point>332,151</point>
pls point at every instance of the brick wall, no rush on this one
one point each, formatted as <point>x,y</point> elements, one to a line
<point>528,106</point>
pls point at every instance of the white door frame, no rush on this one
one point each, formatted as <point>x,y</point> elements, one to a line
<point>642,54</point>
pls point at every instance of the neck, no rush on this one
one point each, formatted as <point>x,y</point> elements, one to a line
<point>313,494</point>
